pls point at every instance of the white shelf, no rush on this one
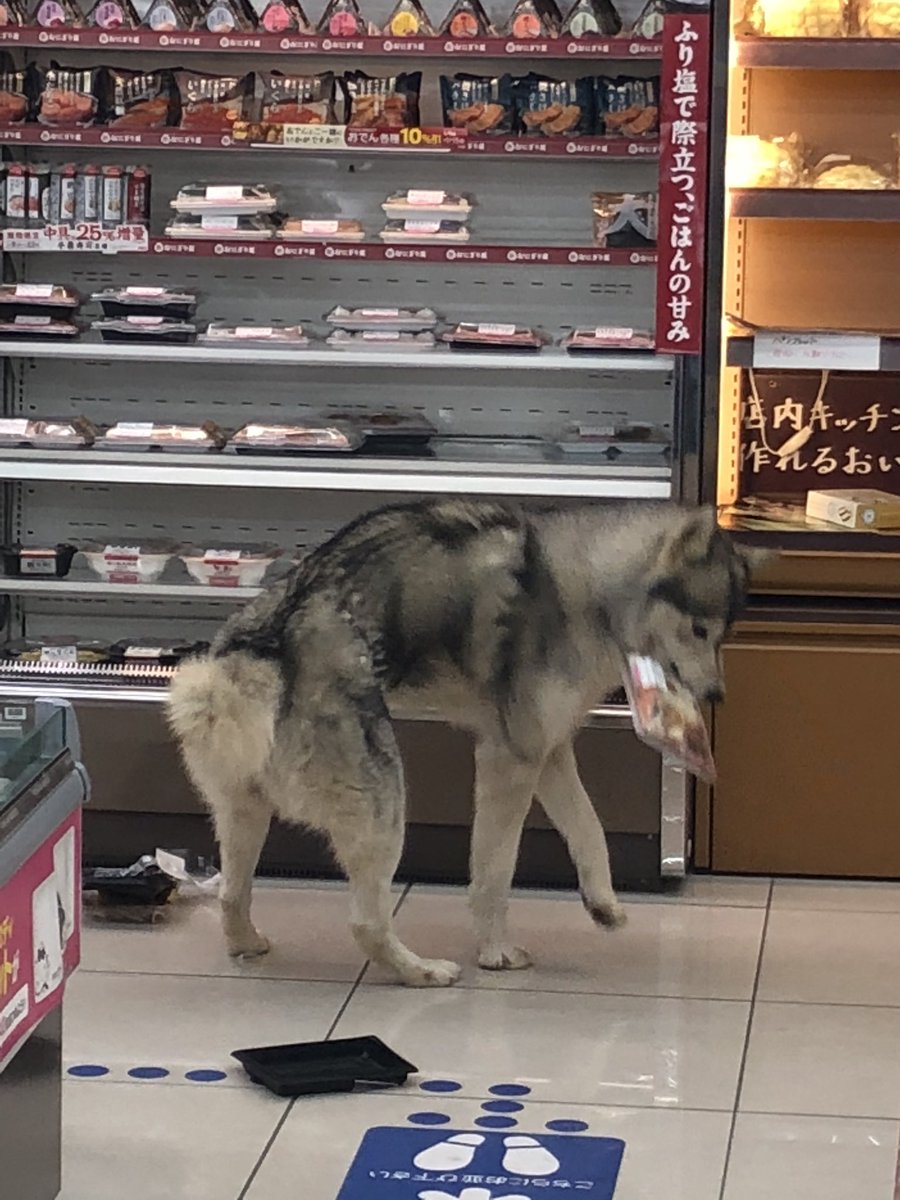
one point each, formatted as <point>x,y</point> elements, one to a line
<point>48,586</point>
<point>440,358</point>
<point>351,473</point>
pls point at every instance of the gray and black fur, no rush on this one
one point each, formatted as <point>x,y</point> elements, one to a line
<point>511,621</point>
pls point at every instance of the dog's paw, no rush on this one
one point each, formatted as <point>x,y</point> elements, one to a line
<point>608,913</point>
<point>432,972</point>
<point>504,958</point>
<point>254,945</point>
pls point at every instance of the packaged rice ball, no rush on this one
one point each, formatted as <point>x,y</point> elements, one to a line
<point>532,19</point>
<point>467,19</point>
<point>283,16</point>
<point>649,23</point>
<point>795,18</point>
<point>342,18</point>
<point>408,19</point>
<point>113,14</point>
<point>591,18</point>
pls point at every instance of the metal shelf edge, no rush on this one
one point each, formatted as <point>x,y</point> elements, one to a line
<point>48,586</point>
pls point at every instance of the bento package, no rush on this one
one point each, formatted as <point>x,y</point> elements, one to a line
<point>69,96</point>
<point>795,18</point>
<point>844,172</point>
<point>373,102</point>
<point>283,16</point>
<point>227,16</point>
<point>211,103</point>
<point>408,19</point>
<point>626,106</point>
<point>298,99</point>
<point>113,14</point>
<point>753,161</point>
<point>65,433</point>
<point>342,18</point>
<point>531,19</point>
<point>877,18</point>
<point>553,107</point>
<point>140,99</point>
<point>168,16</point>
<point>15,95</point>
<point>591,18</point>
<point>467,19</point>
<point>625,219</point>
<point>481,104</point>
<point>667,717</point>
<point>56,14</point>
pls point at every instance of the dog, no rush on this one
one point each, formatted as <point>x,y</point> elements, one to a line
<point>511,621</point>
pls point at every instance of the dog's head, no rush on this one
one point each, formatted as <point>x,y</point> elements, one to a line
<point>697,587</point>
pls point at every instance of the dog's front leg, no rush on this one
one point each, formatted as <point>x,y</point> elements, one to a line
<point>562,796</point>
<point>504,790</point>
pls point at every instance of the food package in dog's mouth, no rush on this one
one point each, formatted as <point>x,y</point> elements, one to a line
<point>227,16</point>
<point>15,96</point>
<point>626,106</point>
<point>140,100</point>
<point>625,219</point>
<point>113,14</point>
<point>591,18</point>
<point>56,14</point>
<point>381,103</point>
<point>298,99</point>
<point>284,16</point>
<point>69,96</point>
<point>467,19</point>
<point>168,16</point>
<point>667,717</point>
<point>553,107</point>
<point>479,104</point>
<point>343,19</point>
<point>211,103</point>
<point>533,19</point>
<point>408,19</point>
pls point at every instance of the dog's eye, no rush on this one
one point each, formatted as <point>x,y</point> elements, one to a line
<point>699,632</point>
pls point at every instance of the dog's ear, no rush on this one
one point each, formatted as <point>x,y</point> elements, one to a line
<point>755,558</point>
<point>691,539</point>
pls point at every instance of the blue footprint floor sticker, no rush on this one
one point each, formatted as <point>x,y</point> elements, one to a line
<point>424,1164</point>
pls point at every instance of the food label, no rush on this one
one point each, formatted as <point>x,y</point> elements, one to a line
<point>417,196</point>
<point>222,556</point>
<point>613,333</point>
<point>37,562</point>
<point>596,431</point>
<point>380,335</point>
<point>421,226</point>
<point>123,554</point>
<point>144,652</point>
<point>132,429</point>
<point>817,351</point>
<point>137,320</point>
<point>379,312</point>
<point>59,654</point>
<point>225,192</point>
<point>145,291</point>
<point>214,221</point>
<point>13,426</point>
<point>33,291</point>
<point>253,331</point>
<point>319,227</point>
<point>497,330</point>
<point>27,319</point>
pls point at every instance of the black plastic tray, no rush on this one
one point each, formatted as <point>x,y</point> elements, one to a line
<point>310,1068</point>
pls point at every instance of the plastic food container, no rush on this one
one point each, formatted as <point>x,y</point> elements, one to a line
<point>492,336</point>
<point>145,435</point>
<point>37,300</point>
<point>28,325</point>
<point>149,330</point>
<point>296,439</point>
<point>421,230</point>
<point>231,566</point>
<point>380,339</point>
<point>224,199</point>
<point>491,449</point>
<point>41,561</point>
<point>416,204</point>
<point>605,338</point>
<point>401,320</point>
<point>383,428</point>
<point>311,1068</point>
<point>288,337</point>
<point>61,650</point>
<point>164,652</point>
<point>127,561</point>
<point>172,304</point>
<point>312,229</point>
<point>220,228</point>
<point>615,440</point>
<point>76,433</point>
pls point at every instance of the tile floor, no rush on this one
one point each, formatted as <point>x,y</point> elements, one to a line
<point>742,1039</point>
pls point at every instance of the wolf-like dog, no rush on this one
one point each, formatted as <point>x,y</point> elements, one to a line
<point>510,621</point>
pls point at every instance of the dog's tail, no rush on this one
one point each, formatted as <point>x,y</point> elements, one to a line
<point>223,710</point>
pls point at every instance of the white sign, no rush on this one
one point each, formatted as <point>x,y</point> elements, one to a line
<point>817,351</point>
<point>314,137</point>
<point>80,236</point>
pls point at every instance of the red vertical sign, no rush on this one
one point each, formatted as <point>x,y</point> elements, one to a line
<point>684,136</point>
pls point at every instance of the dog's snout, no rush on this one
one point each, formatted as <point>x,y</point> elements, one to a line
<point>715,695</point>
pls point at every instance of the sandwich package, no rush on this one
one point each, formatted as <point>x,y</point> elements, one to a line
<point>591,18</point>
<point>479,104</point>
<point>553,107</point>
<point>467,19</point>
<point>626,106</point>
<point>297,99</point>
<point>667,717</point>
<point>625,219</point>
<point>373,102</point>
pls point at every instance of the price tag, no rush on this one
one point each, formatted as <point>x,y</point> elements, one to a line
<point>27,319</point>
<point>214,221</point>
<point>319,227</point>
<point>59,654</point>
<point>131,554</point>
<point>229,192</point>
<point>380,335</point>
<point>33,291</point>
<point>421,226</point>
<point>13,426</point>
<point>145,291</point>
<point>817,351</point>
<point>613,333</point>
<point>133,429</point>
<point>133,320</point>
<point>144,652</point>
<point>253,331</point>
<point>379,312</point>
<point>497,330</point>
<point>37,562</point>
<point>222,556</point>
<point>314,137</point>
<point>424,198</point>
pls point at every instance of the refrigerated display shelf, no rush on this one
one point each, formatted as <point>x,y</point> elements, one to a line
<point>49,586</point>
<point>815,204</point>
<point>641,479</point>
<point>834,54</point>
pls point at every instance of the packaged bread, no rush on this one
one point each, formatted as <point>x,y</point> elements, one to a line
<point>69,96</point>
<point>753,161</point>
<point>626,105</point>
<point>842,172</point>
<point>211,103</point>
<point>794,18</point>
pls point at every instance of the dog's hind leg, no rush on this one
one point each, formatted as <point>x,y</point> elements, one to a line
<point>562,796</point>
<point>242,823</point>
<point>504,789</point>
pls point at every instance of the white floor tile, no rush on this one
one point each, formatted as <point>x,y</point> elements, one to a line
<point>664,950</point>
<point>162,1144</point>
<point>832,958</point>
<point>180,1023</point>
<point>308,928</point>
<point>840,895</point>
<point>679,1155</point>
<point>815,1059</point>
<point>733,890</point>
<point>580,1048</point>
<point>812,1158</point>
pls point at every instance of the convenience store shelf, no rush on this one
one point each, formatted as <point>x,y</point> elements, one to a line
<point>740,354</point>
<point>637,480</point>
<point>49,586</point>
<point>440,358</point>
<point>815,204</point>
<point>829,54</point>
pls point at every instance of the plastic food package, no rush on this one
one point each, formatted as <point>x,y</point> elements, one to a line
<point>11,13</point>
<point>14,97</point>
<point>552,107</point>
<point>479,448</point>
<point>416,202</point>
<point>385,429</point>
<point>481,104</point>
<point>28,561</point>
<point>76,433</point>
<point>470,335</point>
<point>59,649</point>
<point>145,330</point>
<point>380,339</point>
<point>626,106</point>
<point>381,103</point>
<point>591,18</point>
<point>171,303</point>
<point>298,99</point>
<point>127,561</point>
<point>55,14</point>
<point>288,337</point>
<point>298,438</point>
<point>321,229</point>
<point>283,16</point>
<point>616,439</point>
<point>224,199</point>
<point>403,320</point>
<point>211,103</point>
<point>69,96</point>
<point>42,328</point>
<point>113,14</point>
<point>229,566</point>
<point>624,219</point>
<point>228,16</point>
<point>147,435</point>
<point>168,16</point>
<point>140,100</point>
<point>605,338</point>
<point>164,652</point>
<point>37,300</point>
<point>795,18</point>
<point>408,19</point>
<point>841,172</point>
<point>342,18</point>
<point>877,18</point>
<point>467,19</point>
<point>754,162</point>
<point>667,717</point>
<point>649,22</point>
<point>532,19</point>
<point>213,227</point>
<point>425,231</point>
